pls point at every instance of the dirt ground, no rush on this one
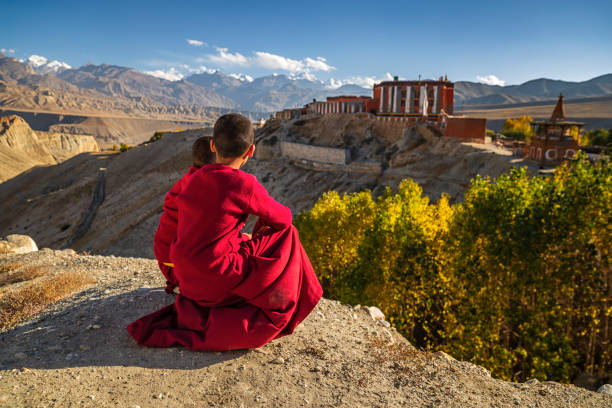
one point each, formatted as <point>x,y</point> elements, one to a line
<point>78,353</point>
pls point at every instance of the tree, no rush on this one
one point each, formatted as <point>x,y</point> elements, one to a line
<point>518,128</point>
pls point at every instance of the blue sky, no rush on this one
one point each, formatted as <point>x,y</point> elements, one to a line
<point>342,41</point>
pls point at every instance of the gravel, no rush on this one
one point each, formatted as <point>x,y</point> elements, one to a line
<point>77,352</point>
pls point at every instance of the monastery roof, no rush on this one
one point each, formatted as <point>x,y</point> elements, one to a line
<point>558,113</point>
<point>415,82</point>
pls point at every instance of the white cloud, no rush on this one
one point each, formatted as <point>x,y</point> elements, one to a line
<point>266,60</point>
<point>196,43</point>
<point>171,75</point>
<point>307,75</point>
<point>227,58</point>
<point>37,61</point>
<point>318,64</point>
<point>5,51</point>
<point>490,80</point>
<point>241,77</point>
<point>363,81</point>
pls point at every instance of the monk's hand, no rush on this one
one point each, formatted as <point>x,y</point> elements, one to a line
<point>261,230</point>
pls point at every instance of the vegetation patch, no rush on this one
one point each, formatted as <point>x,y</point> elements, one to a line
<point>23,274</point>
<point>517,278</point>
<point>598,137</point>
<point>8,267</point>
<point>22,303</point>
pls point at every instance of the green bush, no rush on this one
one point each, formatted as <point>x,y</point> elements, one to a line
<point>598,137</point>
<point>515,134</point>
<point>124,148</point>
<point>517,278</point>
<point>156,136</point>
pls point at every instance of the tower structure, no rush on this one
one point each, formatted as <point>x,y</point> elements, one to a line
<point>555,139</point>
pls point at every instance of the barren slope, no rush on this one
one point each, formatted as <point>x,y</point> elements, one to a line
<point>79,353</point>
<point>137,180</point>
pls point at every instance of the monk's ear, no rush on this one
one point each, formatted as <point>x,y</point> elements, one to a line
<point>212,146</point>
<point>251,151</point>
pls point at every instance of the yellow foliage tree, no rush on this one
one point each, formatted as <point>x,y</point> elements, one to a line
<point>516,278</point>
<point>519,128</point>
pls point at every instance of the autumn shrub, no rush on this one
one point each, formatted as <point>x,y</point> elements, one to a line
<point>518,128</point>
<point>516,278</point>
<point>23,274</point>
<point>597,137</point>
<point>19,304</point>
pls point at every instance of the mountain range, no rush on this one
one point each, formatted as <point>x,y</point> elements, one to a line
<point>139,92</point>
<point>542,89</point>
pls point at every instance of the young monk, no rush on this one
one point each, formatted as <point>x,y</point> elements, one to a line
<point>166,231</point>
<point>235,292</point>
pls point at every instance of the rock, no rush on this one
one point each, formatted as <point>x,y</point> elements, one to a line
<point>91,397</point>
<point>443,356</point>
<point>586,380</point>
<point>278,360</point>
<point>533,381</point>
<point>84,347</point>
<point>23,244</point>
<point>6,247</point>
<point>605,389</point>
<point>69,252</point>
<point>376,313</point>
<point>20,356</point>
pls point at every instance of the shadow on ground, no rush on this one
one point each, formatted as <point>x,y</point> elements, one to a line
<point>90,330</point>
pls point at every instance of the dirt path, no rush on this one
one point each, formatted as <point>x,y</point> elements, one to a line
<point>96,199</point>
<point>78,353</point>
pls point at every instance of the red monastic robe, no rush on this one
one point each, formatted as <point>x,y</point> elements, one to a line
<point>235,293</point>
<point>166,231</point>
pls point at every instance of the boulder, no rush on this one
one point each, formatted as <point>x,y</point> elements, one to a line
<point>605,389</point>
<point>376,313</point>
<point>17,244</point>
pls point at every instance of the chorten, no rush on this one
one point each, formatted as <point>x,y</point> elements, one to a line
<point>555,139</point>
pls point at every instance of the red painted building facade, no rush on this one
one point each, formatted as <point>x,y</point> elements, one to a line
<point>554,139</point>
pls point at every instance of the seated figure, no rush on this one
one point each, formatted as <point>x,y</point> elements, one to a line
<point>235,292</point>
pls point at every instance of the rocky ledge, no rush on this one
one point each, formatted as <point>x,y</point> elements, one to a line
<point>78,352</point>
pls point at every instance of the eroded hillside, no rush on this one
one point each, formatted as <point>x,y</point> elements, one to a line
<point>21,148</point>
<point>49,204</point>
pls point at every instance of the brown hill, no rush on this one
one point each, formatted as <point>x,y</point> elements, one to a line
<point>105,91</point>
<point>21,148</point>
<point>594,112</point>
<point>136,181</point>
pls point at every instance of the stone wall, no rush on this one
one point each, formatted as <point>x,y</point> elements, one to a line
<point>315,153</point>
<point>354,167</point>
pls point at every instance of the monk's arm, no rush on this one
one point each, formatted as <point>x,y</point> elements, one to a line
<point>270,212</point>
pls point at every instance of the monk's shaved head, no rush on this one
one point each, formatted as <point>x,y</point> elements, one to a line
<point>201,153</point>
<point>232,135</point>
